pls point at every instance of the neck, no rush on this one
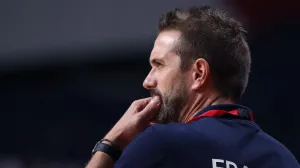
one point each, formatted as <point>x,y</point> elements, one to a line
<point>199,103</point>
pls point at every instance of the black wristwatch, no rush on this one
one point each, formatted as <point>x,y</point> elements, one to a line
<point>111,150</point>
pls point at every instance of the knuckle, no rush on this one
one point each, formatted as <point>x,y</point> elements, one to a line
<point>134,104</point>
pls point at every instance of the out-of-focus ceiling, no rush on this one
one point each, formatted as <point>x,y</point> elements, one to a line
<point>35,26</point>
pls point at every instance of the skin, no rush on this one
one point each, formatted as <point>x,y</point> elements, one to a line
<point>176,95</point>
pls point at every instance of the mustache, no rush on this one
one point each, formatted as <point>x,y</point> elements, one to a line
<point>155,92</point>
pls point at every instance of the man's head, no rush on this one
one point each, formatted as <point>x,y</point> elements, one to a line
<point>198,52</point>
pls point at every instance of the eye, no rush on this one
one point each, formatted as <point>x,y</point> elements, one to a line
<point>157,63</point>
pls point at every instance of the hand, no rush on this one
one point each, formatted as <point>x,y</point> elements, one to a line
<point>135,120</point>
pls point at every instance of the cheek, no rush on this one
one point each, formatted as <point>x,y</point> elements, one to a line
<point>168,82</point>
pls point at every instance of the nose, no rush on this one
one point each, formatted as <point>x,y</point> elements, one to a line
<point>150,81</point>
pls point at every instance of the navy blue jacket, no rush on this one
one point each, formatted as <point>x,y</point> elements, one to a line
<point>210,142</point>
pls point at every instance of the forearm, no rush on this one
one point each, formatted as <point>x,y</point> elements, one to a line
<point>100,160</point>
<point>136,119</point>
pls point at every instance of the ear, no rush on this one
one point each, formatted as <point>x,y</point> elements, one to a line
<point>200,73</point>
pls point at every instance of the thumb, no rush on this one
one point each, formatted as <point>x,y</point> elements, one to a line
<point>151,108</point>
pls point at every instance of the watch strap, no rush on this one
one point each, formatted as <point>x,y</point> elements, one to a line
<point>110,150</point>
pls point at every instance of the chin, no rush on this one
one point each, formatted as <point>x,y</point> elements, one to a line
<point>162,118</point>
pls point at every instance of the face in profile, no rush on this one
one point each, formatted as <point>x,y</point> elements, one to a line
<point>166,79</point>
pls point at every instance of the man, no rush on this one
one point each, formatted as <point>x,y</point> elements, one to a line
<point>200,68</point>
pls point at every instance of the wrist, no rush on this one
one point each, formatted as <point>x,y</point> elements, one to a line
<point>110,150</point>
<point>114,141</point>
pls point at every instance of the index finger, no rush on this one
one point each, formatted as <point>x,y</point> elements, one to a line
<point>141,103</point>
<point>151,109</point>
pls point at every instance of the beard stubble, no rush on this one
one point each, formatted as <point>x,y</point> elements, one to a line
<point>173,101</point>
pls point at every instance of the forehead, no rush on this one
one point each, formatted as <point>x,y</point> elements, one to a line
<point>165,43</point>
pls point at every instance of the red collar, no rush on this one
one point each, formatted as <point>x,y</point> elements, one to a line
<point>242,113</point>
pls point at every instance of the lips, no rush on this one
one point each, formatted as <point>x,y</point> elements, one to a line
<point>155,92</point>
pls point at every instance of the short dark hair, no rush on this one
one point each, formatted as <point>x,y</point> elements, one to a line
<point>216,37</point>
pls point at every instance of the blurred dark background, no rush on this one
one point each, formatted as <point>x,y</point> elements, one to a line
<point>70,69</point>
